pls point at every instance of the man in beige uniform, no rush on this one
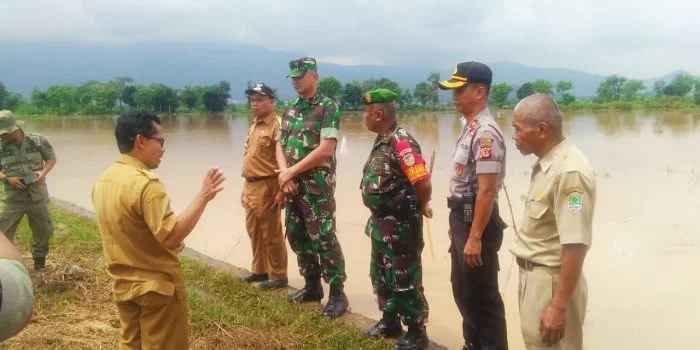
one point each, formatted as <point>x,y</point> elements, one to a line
<point>556,230</point>
<point>141,236</point>
<point>263,215</point>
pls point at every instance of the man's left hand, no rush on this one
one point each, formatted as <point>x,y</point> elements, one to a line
<point>552,324</point>
<point>285,175</point>
<point>39,176</point>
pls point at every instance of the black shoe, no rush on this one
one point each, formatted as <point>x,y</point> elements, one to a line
<point>255,277</point>
<point>273,284</point>
<point>312,291</point>
<point>39,263</point>
<point>337,302</point>
<point>387,327</point>
<point>416,338</point>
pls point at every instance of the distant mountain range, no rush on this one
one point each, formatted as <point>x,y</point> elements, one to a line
<point>26,66</point>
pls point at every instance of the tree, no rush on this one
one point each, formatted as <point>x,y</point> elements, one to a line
<point>681,85</point>
<point>658,88</point>
<point>189,97</point>
<point>330,87</point>
<point>611,88</point>
<point>12,101</point>
<point>631,89</point>
<point>351,95</point>
<point>422,93</point>
<point>406,98</point>
<point>499,94</point>
<point>122,84</point>
<point>525,90</point>
<point>215,97</point>
<point>542,86</point>
<point>3,95</point>
<point>563,87</point>
<point>567,99</point>
<point>434,79</point>
<point>696,95</point>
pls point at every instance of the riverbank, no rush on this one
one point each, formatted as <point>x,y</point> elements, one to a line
<point>75,310</point>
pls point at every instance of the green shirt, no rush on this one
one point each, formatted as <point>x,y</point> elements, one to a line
<point>305,123</point>
<point>23,159</point>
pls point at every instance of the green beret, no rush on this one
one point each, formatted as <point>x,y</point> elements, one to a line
<point>379,96</point>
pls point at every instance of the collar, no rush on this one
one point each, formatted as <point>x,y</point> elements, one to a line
<point>267,119</point>
<point>553,155</point>
<point>314,100</point>
<point>129,160</point>
<point>386,137</point>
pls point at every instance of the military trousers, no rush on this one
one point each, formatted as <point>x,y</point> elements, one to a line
<point>475,290</point>
<point>310,230</point>
<point>39,221</point>
<point>264,226</point>
<point>396,269</point>
<point>154,321</point>
<point>535,291</point>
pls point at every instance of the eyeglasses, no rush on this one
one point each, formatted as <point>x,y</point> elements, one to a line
<point>159,139</point>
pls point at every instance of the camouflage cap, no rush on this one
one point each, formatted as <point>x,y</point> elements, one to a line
<point>299,66</point>
<point>379,96</point>
<point>8,124</point>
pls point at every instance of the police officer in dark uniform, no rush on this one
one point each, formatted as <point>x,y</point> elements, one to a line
<point>476,229</point>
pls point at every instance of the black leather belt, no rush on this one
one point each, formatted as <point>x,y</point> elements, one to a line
<point>259,178</point>
<point>528,265</point>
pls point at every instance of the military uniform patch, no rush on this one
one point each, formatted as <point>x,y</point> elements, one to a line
<point>459,170</point>
<point>154,195</point>
<point>409,160</point>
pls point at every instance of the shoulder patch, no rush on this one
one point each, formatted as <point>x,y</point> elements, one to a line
<point>154,195</point>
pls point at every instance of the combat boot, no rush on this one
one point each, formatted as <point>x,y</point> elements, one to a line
<point>388,326</point>
<point>416,338</point>
<point>337,302</point>
<point>39,263</point>
<point>312,291</point>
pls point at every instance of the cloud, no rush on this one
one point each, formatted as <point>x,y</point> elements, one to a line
<point>599,36</point>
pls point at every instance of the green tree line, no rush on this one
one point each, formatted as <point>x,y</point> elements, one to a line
<point>120,94</point>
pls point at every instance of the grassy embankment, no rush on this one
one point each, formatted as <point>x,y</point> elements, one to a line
<point>74,307</point>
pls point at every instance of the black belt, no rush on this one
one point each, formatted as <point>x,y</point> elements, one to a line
<point>528,265</point>
<point>259,178</point>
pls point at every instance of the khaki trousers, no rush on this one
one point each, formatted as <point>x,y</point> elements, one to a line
<point>264,226</point>
<point>535,291</point>
<point>154,321</point>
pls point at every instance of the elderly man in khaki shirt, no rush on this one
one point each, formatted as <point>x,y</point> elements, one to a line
<point>556,230</point>
<point>141,236</point>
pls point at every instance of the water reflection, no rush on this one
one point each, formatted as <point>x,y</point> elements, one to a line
<point>635,235</point>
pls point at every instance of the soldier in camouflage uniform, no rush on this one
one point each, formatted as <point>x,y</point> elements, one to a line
<point>25,159</point>
<point>306,158</point>
<point>396,188</point>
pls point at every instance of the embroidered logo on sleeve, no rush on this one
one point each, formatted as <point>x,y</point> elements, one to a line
<point>154,195</point>
<point>574,199</point>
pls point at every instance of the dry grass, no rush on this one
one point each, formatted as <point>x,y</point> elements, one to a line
<point>75,310</point>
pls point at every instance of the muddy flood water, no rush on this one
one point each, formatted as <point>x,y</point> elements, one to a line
<point>646,241</point>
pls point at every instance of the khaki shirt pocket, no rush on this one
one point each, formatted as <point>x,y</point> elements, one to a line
<point>536,220</point>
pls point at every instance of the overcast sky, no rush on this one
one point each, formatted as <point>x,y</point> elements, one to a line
<point>639,39</point>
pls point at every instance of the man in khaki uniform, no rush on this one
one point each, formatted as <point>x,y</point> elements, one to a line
<point>25,160</point>
<point>263,214</point>
<point>141,236</point>
<point>556,231</point>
